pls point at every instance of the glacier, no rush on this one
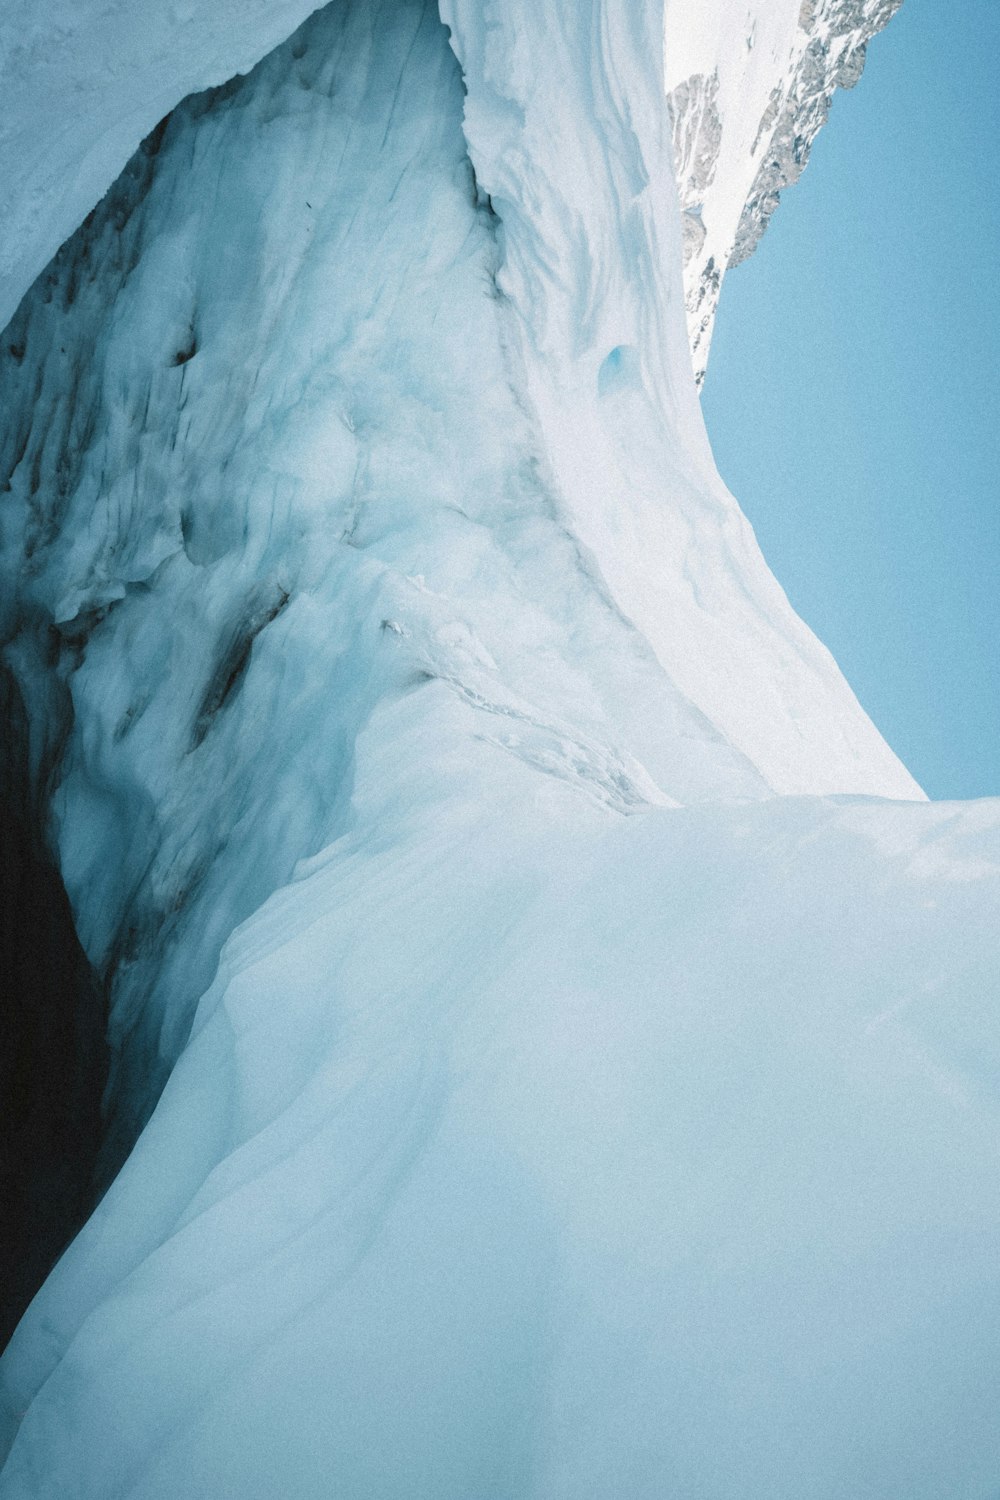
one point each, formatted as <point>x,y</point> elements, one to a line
<point>550,1032</point>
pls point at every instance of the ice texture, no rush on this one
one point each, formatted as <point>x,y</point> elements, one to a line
<point>82,83</point>
<point>417,417</point>
<point>569,1028</point>
<point>116,69</point>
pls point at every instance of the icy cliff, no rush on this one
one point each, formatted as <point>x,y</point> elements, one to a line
<point>747,95</point>
<point>571,1016</point>
<point>82,84</point>
<point>749,89</point>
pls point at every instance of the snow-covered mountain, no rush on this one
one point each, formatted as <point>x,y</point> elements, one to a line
<point>570,1017</point>
<point>750,87</point>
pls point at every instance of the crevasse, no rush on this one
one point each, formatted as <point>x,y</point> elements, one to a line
<point>567,1013</point>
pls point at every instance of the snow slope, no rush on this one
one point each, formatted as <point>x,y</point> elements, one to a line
<point>587,1092</point>
<point>525,1149</point>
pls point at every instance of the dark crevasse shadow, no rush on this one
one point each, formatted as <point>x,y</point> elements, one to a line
<point>53,1062</point>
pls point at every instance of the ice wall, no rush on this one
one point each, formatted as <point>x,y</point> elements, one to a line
<point>748,93</point>
<point>82,84</point>
<point>294,426</point>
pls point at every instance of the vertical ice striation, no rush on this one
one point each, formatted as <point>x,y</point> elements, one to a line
<point>82,84</point>
<point>556,1093</point>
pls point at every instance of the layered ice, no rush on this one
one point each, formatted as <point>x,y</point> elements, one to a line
<point>83,83</point>
<point>568,1014</point>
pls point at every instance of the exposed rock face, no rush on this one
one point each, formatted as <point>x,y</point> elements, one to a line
<point>743,131</point>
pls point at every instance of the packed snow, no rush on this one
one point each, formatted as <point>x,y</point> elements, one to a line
<point>527,1149</point>
<point>571,1020</point>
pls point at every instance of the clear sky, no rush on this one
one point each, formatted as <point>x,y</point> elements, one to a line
<point>853,393</point>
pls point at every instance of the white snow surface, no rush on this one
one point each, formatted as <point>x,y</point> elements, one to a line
<point>591,1090</point>
<point>524,1149</point>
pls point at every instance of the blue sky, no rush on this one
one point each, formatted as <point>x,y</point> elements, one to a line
<point>853,395</point>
